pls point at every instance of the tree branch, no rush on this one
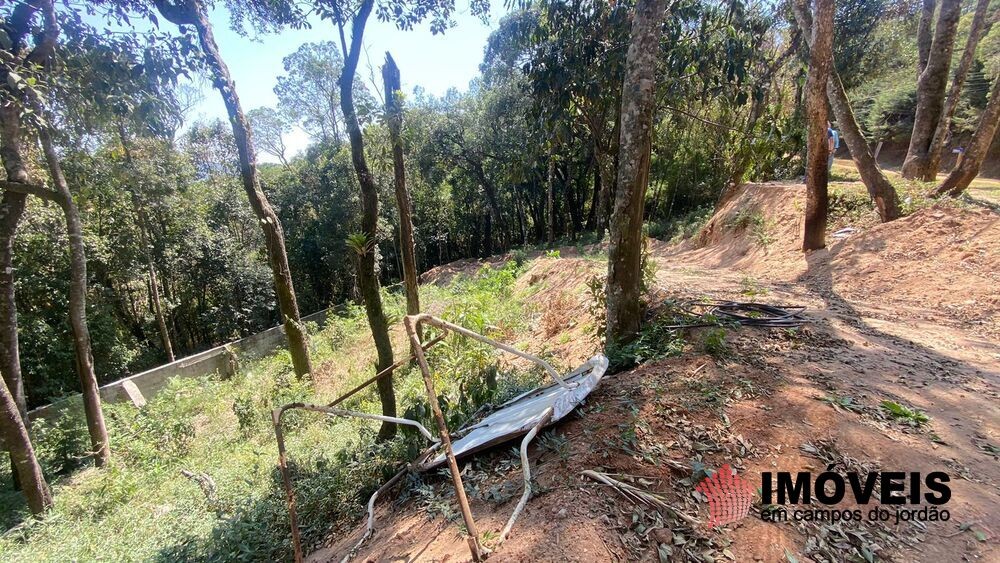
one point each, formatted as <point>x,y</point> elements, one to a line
<point>183,12</point>
<point>33,189</point>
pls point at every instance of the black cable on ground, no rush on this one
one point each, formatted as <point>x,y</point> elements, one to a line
<point>742,313</point>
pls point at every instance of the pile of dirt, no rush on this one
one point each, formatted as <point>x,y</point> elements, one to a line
<point>941,262</point>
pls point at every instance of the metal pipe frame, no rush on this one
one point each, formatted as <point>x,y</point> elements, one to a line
<point>445,325</point>
<point>526,467</point>
<point>277,416</point>
<point>412,324</point>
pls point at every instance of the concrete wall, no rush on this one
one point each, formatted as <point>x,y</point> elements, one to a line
<point>222,359</point>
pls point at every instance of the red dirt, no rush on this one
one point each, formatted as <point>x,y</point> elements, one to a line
<point>905,312</point>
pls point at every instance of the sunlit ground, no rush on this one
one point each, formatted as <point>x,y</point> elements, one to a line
<point>981,188</point>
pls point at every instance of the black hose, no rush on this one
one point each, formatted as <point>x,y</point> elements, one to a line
<point>744,314</point>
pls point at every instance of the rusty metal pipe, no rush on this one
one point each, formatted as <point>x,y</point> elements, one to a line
<point>276,418</point>
<point>411,323</point>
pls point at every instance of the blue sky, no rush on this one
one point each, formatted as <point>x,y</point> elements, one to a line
<point>434,62</point>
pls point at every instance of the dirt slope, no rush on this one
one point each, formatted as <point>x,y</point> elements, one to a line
<point>904,312</point>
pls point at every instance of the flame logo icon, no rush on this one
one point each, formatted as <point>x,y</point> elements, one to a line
<point>729,496</point>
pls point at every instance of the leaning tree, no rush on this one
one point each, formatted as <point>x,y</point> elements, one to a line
<point>931,85</point>
<point>194,13</point>
<point>19,54</point>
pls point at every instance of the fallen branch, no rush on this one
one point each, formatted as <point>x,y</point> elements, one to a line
<point>639,496</point>
<point>207,486</point>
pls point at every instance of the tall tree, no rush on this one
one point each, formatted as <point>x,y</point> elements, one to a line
<point>394,120</point>
<point>977,29</point>
<point>11,212</point>
<point>931,85</point>
<point>78,299</point>
<point>20,57</point>
<point>880,189</point>
<point>979,146</point>
<point>25,99</point>
<point>624,309</point>
<point>142,225</point>
<point>192,12</point>
<point>270,128</point>
<point>309,91</point>
<point>817,143</point>
<point>367,247</point>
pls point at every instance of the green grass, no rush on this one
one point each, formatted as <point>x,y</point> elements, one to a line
<point>143,508</point>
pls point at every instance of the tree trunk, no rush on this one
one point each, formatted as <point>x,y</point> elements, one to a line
<point>931,89</point>
<point>18,29</point>
<point>192,12</point>
<point>142,224</point>
<point>624,310</point>
<point>394,119</point>
<point>78,305</point>
<point>17,442</point>
<point>880,189</point>
<point>966,172</point>
<point>817,149</point>
<point>550,212</point>
<point>11,211</point>
<point>367,280</point>
<point>979,28</point>
<point>26,473</point>
<point>574,203</point>
<point>595,194</point>
<point>924,31</point>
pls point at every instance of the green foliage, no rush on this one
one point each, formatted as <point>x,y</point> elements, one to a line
<point>750,287</point>
<point>681,227</point>
<point>60,443</point>
<point>754,220</point>
<point>715,343</point>
<point>597,302</point>
<point>905,414</point>
<point>851,204</point>
<point>654,342</point>
<point>221,428</point>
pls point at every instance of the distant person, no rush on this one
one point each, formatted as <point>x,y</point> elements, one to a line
<point>833,143</point>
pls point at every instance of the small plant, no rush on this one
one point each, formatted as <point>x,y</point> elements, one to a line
<point>655,341</point>
<point>905,414</point>
<point>751,287</point>
<point>552,254</point>
<point>597,304</point>
<point>519,256</point>
<point>555,443</point>
<point>760,227</point>
<point>648,268</point>
<point>715,343</point>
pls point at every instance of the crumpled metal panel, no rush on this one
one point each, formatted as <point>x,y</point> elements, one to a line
<point>519,415</point>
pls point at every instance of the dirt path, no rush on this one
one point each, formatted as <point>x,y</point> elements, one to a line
<point>769,400</point>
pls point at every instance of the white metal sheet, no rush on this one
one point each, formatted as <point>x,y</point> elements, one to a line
<point>520,414</point>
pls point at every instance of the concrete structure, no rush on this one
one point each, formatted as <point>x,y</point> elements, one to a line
<point>221,359</point>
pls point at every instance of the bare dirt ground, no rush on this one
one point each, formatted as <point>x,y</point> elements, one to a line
<point>905,312</point>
